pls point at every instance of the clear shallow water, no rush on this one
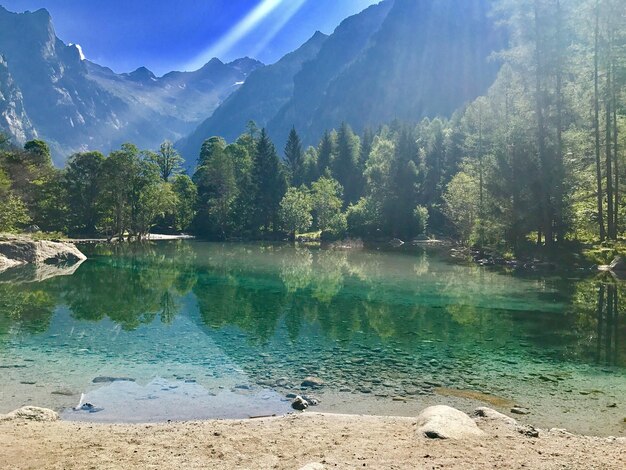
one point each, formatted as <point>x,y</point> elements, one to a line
<point>227,330</point>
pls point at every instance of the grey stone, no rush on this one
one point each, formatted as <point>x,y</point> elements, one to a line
<point>445,422</point>
<point>299,404</point>
<point>32,413</point>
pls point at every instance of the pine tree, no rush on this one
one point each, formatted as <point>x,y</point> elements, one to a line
<point>294,157</point>
<point>269,183</point>
<point>344,165</point>
<point>325,152</point>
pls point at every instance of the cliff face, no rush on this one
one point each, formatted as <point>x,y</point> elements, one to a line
<point>399,59</point>
<point>77,105</point>
<point>13,118</point>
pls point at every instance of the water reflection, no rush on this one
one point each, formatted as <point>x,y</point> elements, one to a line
<point>344,295</point>
<point>599,318</point>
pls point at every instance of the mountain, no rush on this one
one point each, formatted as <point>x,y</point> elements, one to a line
<point>13,117</point>
<point>399,59</point>
<point>336,54</point>
<point>426,60</point>
<point>259,98</point>
<point>76,105</point>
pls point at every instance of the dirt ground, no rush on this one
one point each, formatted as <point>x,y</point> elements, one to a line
<point>293,441</point>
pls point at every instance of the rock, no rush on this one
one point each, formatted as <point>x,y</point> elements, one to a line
<point>484,412</point>
<point>106,379</point>
<point>291,395</point>
<point>88,407</point>
<point>488,413</point>
<point>312,401</point>
<point>313,466</point>
<point>23,250</point>
<point>32,413</point>
<point>312,382</point>
<point>299,404</point>
<point>445,422</point>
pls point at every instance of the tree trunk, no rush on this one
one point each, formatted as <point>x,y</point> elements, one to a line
<point>609,158</point>
<point>596,122</point>
<point>560,229</point>
<point>545,167</point>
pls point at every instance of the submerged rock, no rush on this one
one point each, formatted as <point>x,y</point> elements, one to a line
<point>445,422</point>
<point>33,413</point>
<point>312,382</point>
<point>518,410</point>
<point>106,379</point>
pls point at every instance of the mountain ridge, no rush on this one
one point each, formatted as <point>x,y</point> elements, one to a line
<point>76,105</point>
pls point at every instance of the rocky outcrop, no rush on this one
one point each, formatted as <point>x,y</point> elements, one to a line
<point>21,250</point>
<point>32,413</point>
<point>445,422</point>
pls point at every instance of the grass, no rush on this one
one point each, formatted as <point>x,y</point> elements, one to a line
<point>310,235</point>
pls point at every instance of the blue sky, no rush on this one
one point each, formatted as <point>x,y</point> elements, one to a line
<point>184,34</point>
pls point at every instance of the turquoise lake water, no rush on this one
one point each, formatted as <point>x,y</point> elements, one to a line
<point>188,329</point>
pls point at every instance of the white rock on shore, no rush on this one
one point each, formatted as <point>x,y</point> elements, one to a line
<point>445,422</point>
<point>33,413</point>
<point>15,251</point>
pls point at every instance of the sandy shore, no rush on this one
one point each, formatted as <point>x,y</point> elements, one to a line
<point>293,441</point>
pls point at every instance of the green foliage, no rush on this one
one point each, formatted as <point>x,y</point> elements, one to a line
<point>461,204</point>
<point>294,158</point>
<point>39,152</point>
<point>326,196</point>
<point>186,196</point>
<point>13,213</point>
<point>345,163</point>
<point>269,183</point>
<point>217,188</point>
<point>361,218</point>
<point>421,219</point>
<point>167,159</point>
<point>83,181</point>
<point>295,211</point>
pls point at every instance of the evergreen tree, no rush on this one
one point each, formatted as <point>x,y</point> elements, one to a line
<point>269,183</point>
<point>325,153</point>
<point>345,163</point>
<point>294,158</point>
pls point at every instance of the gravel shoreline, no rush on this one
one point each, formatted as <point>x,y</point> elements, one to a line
<point>295,441</point>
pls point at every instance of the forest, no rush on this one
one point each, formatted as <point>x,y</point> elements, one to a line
<point>538,160</point>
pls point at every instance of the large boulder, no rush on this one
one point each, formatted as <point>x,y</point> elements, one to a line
<point>32,413</point>
<point>22,250</point>
<point>445,422</point>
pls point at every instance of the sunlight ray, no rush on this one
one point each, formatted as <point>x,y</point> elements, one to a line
<point>236,33</point>
<point>291,9</point>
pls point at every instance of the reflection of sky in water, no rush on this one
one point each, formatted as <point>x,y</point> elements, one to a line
<point>239,322</point>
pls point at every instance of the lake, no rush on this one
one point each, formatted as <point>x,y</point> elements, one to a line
<point>189,330</point>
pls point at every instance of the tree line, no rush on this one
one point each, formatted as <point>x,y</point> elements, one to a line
<point>538,159</point>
